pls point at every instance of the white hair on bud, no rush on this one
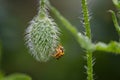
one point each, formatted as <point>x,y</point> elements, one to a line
<point>42,37</point>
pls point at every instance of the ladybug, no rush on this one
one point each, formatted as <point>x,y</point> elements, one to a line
<point>59,52</point>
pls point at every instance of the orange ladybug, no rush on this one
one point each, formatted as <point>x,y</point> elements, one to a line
<point>59,52</point>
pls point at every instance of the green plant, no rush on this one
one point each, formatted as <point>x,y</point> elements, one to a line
<point>42,35</point>
<point>15,76</point>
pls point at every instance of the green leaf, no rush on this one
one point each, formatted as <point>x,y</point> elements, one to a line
<point>17,76</point>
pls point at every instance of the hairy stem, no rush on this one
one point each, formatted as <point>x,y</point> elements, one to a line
<point>115,22</point>
<point>113,47</point>
<point>42,3</point>
<point>88,33</point>
<point>89,66</point>
<point>86,18</point>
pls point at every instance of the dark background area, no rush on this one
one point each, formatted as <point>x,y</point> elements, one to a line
<point>15,16</point>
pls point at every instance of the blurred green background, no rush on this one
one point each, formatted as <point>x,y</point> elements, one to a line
<point>15,16</point>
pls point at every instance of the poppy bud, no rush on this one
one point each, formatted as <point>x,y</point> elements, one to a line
<point>42,36</point>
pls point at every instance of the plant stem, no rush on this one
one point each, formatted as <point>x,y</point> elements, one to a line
<point>88,33</point>
<point>86,18</point>
<point>42,3</point>
<point>89,66</point>
<point>42,7</point>
<point>115,22</point>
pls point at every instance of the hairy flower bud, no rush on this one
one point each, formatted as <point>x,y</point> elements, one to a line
<point>42,37</point>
